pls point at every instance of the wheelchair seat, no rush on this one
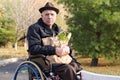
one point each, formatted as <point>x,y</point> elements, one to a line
<point>38,67</point>
<point>44,65</point>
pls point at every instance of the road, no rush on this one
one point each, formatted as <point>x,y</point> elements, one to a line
<point>7,71</point>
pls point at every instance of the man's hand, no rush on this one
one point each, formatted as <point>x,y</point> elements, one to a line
<point>62,51</point>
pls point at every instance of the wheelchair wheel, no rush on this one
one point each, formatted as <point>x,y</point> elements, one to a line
<point>28,70</point>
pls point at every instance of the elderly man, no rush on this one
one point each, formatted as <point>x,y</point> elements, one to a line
<point>46,27</point>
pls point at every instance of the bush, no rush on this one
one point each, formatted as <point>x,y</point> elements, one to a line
<point>7,32</point>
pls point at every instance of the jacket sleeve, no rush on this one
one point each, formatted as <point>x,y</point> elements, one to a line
<point>34,43</point>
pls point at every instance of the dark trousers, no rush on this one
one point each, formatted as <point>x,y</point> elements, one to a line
<point>67,71</point>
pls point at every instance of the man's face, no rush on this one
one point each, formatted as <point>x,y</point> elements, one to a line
<point>49,17</point>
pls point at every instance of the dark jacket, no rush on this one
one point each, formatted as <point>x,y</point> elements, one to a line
<point>35,34</point>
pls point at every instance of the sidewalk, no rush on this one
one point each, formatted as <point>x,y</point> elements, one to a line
<point>8,61</point>
<point>86,75</point>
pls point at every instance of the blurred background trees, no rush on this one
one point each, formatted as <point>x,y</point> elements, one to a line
<point>22,13</point>
<point>95,25</point>
<point>6,28</point>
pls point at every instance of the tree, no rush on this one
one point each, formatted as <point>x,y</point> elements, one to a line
<point>95,26</point>
<point>6,29</point>
<point>24,13</point>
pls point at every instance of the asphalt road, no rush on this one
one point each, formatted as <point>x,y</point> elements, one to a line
<point>7,71</point>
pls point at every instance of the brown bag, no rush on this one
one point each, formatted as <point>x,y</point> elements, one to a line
<point>54,58</point>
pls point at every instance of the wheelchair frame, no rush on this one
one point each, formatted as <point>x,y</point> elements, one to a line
<point>32,66</point>
<point>38,73</point>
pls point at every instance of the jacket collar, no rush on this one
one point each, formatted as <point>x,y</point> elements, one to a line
<point>47,29</point>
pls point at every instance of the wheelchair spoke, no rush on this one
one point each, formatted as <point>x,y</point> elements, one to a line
<point>28,71</point>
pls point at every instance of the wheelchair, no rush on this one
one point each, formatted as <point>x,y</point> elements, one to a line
<point>31,69</point>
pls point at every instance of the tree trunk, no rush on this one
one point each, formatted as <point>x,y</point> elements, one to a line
<point>15,46</point>
<point>94,62</point>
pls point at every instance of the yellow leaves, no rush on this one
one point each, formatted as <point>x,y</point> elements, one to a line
<point>1,15</point>
<point>1,10</point>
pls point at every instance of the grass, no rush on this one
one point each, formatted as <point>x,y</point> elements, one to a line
<point>6,53</point>
<point>104,66</point>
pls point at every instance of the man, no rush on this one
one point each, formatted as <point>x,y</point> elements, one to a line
<point>46,27</point>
